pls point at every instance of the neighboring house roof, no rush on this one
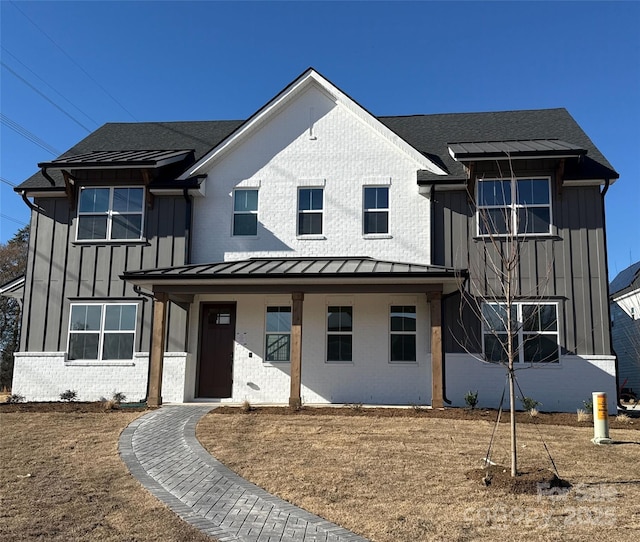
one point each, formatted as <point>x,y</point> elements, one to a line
<point>430,135</point>
<point>626,281</point>
<point>292,270</point>
<point>14,288</point>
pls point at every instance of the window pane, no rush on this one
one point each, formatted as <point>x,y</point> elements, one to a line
<point>339,319</point>
<point>534,220</point>
<point>85,317</point>
<point>339,348</point>
<point>548,318</point>
<point>278,347</point>
<point>403,318</point>
<point>279,319</point>
<point>403,348</point>
<point>94,200</point>
<point>245,224</point>
<point>494,192</point>
<point>245,200</point>
<point>120,317</point>
<point>310,199</point>
<point>118,346</point>
<point>494,316</point>
<point>309,223</point>
<point>83,345</point>
<point>531,317</point>
<point>494,221</point>
<point>92,227</point>
<point>533,191</point>
<point>127,200</point>
<point>376,197</point>
<point>495,348</point>
<point>126,227</point>
<point>376,222</point>
<point>541,348</point>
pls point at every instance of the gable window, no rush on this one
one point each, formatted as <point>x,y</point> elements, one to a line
<point>339,333</point>
<point>534,332</point>
<point>403,333</point>
<point>310,206</point>
<point>245,212</point>
<point>102,331</point>
<point>278,334</point>
<point>112,214</point>
<point>514,206</point>
<point>376,209</point>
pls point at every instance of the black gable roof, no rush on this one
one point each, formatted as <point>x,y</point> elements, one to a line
<point>429,134</point>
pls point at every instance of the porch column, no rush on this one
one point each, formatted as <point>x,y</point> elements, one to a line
<point>296,350</point>
<point>154,399</point>
<point>437,395</point>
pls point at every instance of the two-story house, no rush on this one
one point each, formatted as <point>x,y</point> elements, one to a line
<point>315,253</point>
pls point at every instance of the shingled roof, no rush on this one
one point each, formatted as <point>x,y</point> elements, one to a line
<point>429,134</point>
<point>626,281</point>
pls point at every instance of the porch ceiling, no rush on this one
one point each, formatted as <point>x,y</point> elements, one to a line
<point>266,275</point>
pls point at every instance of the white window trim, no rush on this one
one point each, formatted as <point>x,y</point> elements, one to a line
<point>110,213</point>
<point>514,206</point>
<point>387,209</point>
<point>234,212</point>
<point>317,236</point>
<point>267,332</point>
<point>521,333</point>
<point>101,332</point>
<point>345,333</point>
<point>414,333</point>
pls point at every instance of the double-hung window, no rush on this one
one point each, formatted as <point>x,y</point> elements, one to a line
<point>310,205</point>
<point>245,212</point>
<point>403,333</point>
<point>340,333</point>
<point>376,209</point>
<point>102,331</point>
<point>110,213</point>
<point>514,206</point>
<point>534,332</point>
<point>278,334</point>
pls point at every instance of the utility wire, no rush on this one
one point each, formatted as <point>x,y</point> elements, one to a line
<point>5,217</point>
<point>5,181</point>
<point>45,97</point>
<point>19,129</point>
<point>72,60</point>
<point>44,82</point>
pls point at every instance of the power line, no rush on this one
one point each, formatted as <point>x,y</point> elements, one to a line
<point>53,89</point>
<point>72,60</point>
<point>45,97</point>
<point>5,181</point>
<point>19,129</point>
<point>5,217</point>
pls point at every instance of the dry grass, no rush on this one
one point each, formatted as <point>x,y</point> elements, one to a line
<point>404,479</point>
<point>62,479</point>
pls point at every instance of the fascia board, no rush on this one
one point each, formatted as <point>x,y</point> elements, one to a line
<point>297,87</point>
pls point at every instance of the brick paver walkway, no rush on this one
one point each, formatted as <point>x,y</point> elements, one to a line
<point>161,451</point>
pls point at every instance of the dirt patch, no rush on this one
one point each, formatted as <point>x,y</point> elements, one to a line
<point>530,482</point>
<point>73,406</point>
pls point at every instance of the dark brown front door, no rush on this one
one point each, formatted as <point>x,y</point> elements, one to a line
<point>215,366</point>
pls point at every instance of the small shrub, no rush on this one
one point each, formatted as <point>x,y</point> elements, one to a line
<point>68,395</point>
<point>528,403</point>
<point>534,412</point>
<point>110,404</point>
<point>246,406</point>
<point>15,398</point>
<point>583,415</point>
<point>624,418</point>
<point>118,397</point>
<point>418,408</point>
<point>471,399</point>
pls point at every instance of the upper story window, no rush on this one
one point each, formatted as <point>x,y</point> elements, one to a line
<point>111,214</point>
<point>514,206</point>
<point>102,331</point>
<point>534,331</point>
<point>310,206</point>
<point>245,212</point>
<point>376,209</point>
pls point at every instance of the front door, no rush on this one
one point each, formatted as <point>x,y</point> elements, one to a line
<point>215,366</point>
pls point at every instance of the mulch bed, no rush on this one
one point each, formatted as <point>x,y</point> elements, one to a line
<point>530,482</point>
<point>71,407</point>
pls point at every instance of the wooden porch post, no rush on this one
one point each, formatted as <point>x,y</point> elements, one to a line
<point>296,350</point>
<point>437,393</point>
<point>154,399</point>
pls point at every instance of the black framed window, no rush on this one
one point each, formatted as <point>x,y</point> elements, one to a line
<point>245,212</point>
<point>376,209</point>
<point>403,333</point>
<point>340,333</point>
<point>310,208</point>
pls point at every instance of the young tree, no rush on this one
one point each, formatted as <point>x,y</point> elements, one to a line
<point>508,209</point>
<point>13,261</point>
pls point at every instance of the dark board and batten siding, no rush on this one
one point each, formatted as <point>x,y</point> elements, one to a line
<point>568,267</point>
<point>61,271</point>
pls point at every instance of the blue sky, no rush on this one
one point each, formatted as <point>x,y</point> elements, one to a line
<point>159,61</point>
